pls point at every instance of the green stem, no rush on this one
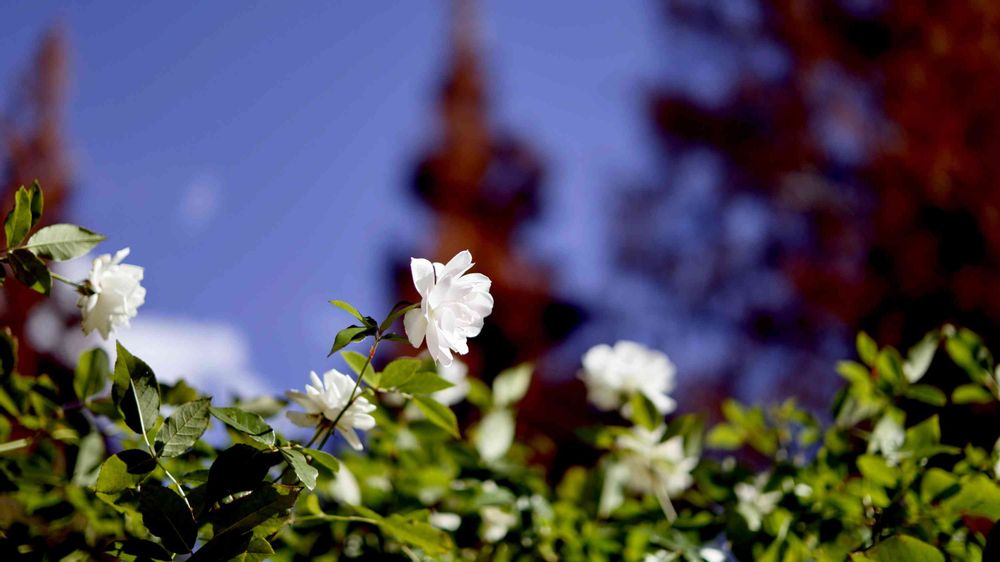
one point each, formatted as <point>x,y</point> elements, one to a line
<point>57,277</point>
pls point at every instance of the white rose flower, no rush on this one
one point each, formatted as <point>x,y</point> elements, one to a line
<point>753,503</point>
<point>326,399</point>
<point>457,373</point>
<point>654,463</point>
<point>612,374</point>
<point>452,307</point>
<point>114,294</point>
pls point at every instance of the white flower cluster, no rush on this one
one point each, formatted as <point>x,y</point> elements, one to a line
<point>613,374</point>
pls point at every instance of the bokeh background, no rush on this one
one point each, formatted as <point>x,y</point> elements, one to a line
<point>743,184</point>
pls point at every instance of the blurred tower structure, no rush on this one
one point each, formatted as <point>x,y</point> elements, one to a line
<point>481,187</point>
<point>838,158</point>
<point>30,129</point>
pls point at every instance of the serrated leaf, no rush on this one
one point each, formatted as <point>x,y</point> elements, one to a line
<point>124,470</point>
<point>251,424</point>
<point>31,271</point>
<point>306,474</point>
<point>511,385</point>
<point>258,550</point>
<point>249,511</point>
<point>21,217</point>
<point>240,468</point>
<point>438,414</point>
<point>92,372</point>
<point>62,242</point>
<point>183,428</point>
<point>323,459</point>
<point>135,392</point>
<point>348,335</point>
<point>167,517</point>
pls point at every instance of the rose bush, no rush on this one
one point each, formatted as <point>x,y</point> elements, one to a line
<point>107,463</point>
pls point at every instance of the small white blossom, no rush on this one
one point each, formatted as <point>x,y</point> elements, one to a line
<point>453,305</point>
<point>753,503</point>
<point>114,294</point>
<point>344,487</point>
<point>496,523</point>
<point>612,374</point>
<point>457,373</point>
<point>712,555</point>
<point>445,521</point>
<point>326,399</point>
<point>654,463</point>
<point>887,437</point>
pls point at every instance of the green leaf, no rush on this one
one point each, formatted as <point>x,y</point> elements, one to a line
<point>62,242</point>
<point>23,216</point>
<point>124,470</point>
<point>438,414</point>
<point>140,549</point>
<point>889,366</point>
<point>223,547</point>
<point>398,372</point>
<point>239,468</point>
<point>495,434</point>
<point>247,512</point>
<point>183,428</point>
<point>258,550</point>
<point>927,394</point>
<point>166,516</point>
<point>724,436</point>
<point>356,362</point>
<point>135,392</point>
<point>31,271</point>
<point>511,385</point>
<point>348,335</point>
<point>867,349</point>
<point>971,394</point>
<point>367,321</point>
<point>643,412</point>
<point>8,354</point>
<point>401,308</point>
<point>978,496</point>
<point>323,459</point>
<point>89,455</point>
<point>424,382</point>
<point>92,372</point>
<point>251,424</point>
<point>307,474</point>
<point>412,531</point>
<point>876,469</point>
<point>920,356</point>
<point>900,548</point>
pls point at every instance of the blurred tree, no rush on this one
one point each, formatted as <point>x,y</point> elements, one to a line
<point>31,130</point>
<point>828,168</point>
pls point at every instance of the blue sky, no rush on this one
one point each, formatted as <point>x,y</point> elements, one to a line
<point>255,156</point>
